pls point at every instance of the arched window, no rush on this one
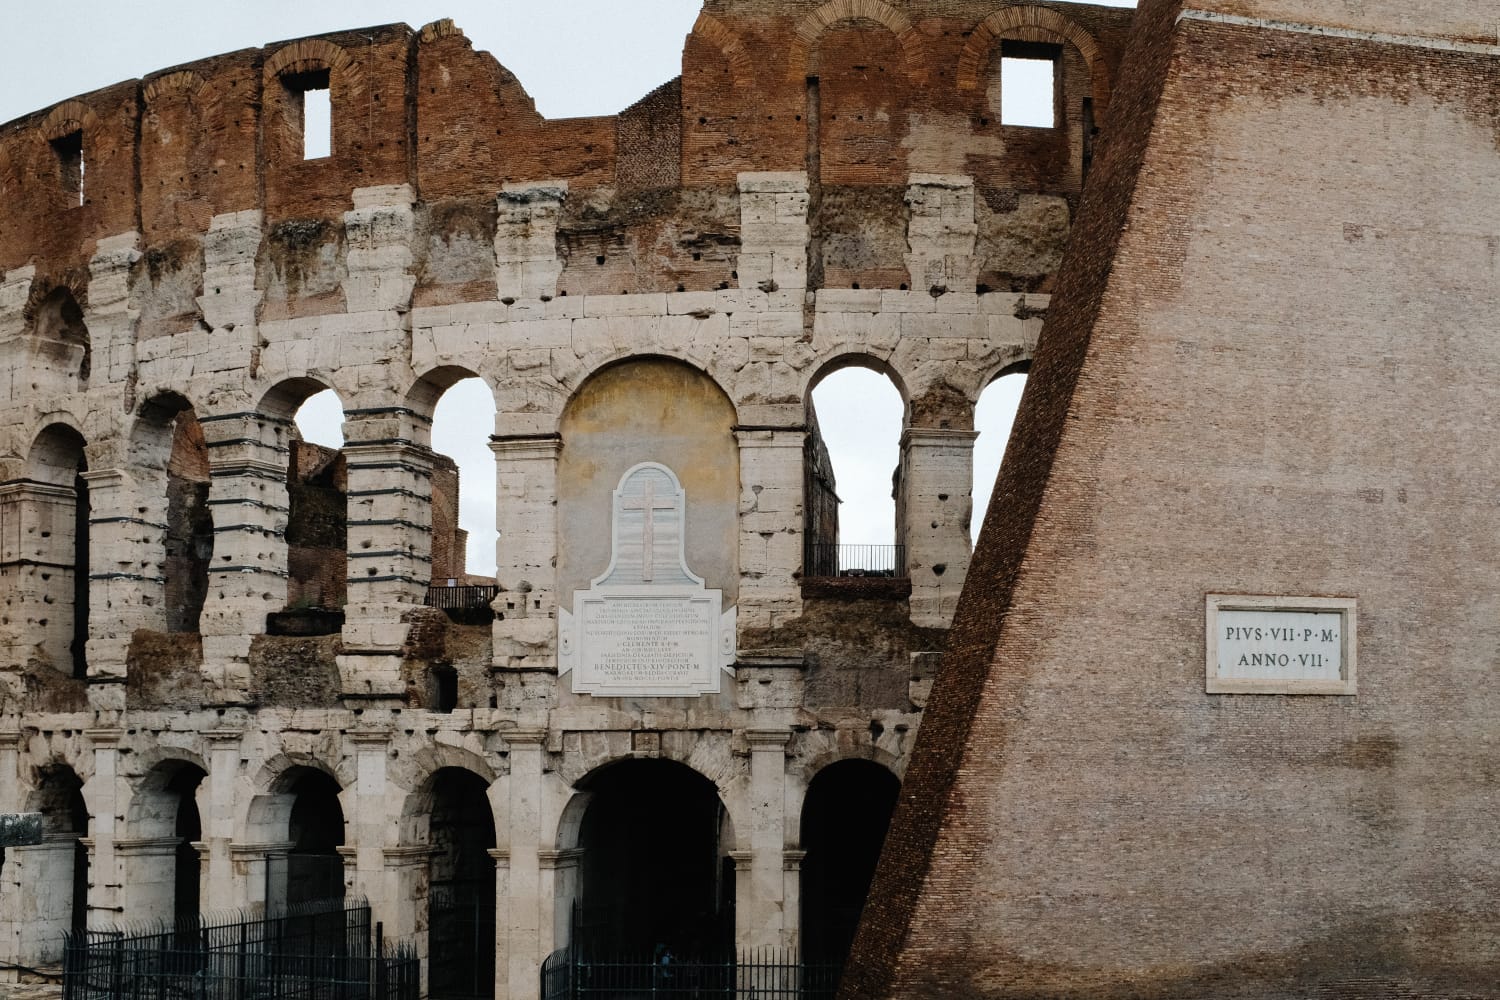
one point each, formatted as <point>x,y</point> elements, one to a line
<point>855,419</point>
<point>317,530</point>
<point>169,444</point>
<point>463,487</point>
<point>993,416</point>
<point>54,552</point>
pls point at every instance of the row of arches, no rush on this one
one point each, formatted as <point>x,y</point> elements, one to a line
<point>652,846</point>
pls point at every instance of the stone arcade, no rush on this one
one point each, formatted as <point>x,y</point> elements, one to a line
<point>220,681</point>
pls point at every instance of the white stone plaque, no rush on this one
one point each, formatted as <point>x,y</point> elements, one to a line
<point>647,626</point>
<point>1280,645</point>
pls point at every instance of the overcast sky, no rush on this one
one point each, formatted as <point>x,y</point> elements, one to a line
<point>616,52</point>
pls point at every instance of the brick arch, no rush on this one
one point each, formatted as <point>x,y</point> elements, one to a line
<point>69,116</point>
<point>441,28</point>
<point>1032,24</point>
<point>184,84</point>
<point>312,54</point>
<point>713,31</point>
<point>814,24</point>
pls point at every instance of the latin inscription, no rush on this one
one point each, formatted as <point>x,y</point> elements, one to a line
<point>645,642</point>
<point>1268,645</point>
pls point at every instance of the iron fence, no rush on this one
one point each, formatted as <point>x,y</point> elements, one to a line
<point>326,950</point>
<point>755,974</point>
<point>880,561</point>
<point>461,938</point>
<point>468,604</point>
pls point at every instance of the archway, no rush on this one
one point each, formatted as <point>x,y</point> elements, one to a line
<point>993,416</point>
<point>53,877</point>
<point>461,890</point>
<point>317,531</point>
<point>855,415</point>
<point>844,821</point>
<point>302,816</point>
<point>656,874</point>
<point>55,505</point>
<point>161,862</point>
<point>168,446</point>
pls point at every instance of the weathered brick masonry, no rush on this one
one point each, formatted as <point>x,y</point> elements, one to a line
<point>1268,368</point>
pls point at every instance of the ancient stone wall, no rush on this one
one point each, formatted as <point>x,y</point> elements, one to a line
<point>826,184</point>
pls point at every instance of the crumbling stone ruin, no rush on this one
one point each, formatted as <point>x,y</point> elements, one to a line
<point>223,679</point>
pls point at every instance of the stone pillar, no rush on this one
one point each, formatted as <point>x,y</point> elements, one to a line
<point>224,886</point>
<point>760,916</point>
<point>527,941</point>
<point>40,884</point>
<point>558,887</point>
<point>108,314</point>
<point>149,868</point>
<point>526,264</point>
<point>379,237</point>
<point>501,857</point>
<point>36,563</point>
<point>941,233</point>
<point>406,885</point>
<point>771,524</point>
<point>525,629</point>
<point>102,797</point>
<point>230,301</point>
<point>791,896</point>
<point>248,457</point>
<point>390,554</point>
<point>773,230</point>
<point>126,559</point>
<point>368,824</point>
<point>261,869</point>
<point>11,800</point>
<point>935,502</point>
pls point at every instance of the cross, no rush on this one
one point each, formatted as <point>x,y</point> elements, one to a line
<point>649,504</point>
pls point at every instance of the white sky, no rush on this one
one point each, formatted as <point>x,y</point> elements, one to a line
<point>617,51</point>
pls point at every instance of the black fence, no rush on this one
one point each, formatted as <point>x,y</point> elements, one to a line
<point>327,950</point>
<point>467,605</point>
<point>461,938</point>
<point>881,561</point>
<point>756,974</point>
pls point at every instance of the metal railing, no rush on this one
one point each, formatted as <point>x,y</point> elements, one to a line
<point>467,604</point>
<point>824,561</point>
<point>326,950</point>
<point>754,974</point>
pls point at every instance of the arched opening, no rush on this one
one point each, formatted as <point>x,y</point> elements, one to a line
<point>161,863</point>
<point>461,892</point>
<point>844,821</point>
<point>55,873</point>
<point>656,872</point>
<point>462,408</point>
<point>855,420</point>
<point>317,531</point>
<point>61,337</point>
<point>169,443</point>
<point>55,534</point>
<point>315,829</point>
<point>993,416</point>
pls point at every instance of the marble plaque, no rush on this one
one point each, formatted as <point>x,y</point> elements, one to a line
<point>646,626</point>
<point>1280,645</point>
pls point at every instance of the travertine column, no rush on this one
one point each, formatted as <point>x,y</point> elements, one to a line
<point>941,232</point>
<point>40,884</point>
<point>102,794</point>
<point>11,912</point>
<point>526,263</point>
<point>390,553</point>
<point>379,236</point>
<point>527,942</point>
<point>791,896</point>
<point>771,528</point>
<point>501,857</point>
<point>937,482</point>
<point>248,457</point>
<point>773,230</point>
<point>126,559</point>
<point>559,880</point>
<point>760,914</point>
<point>406,884</point>
<point>230,300</point>
<point>370,823</point>
<point>223,887</point>
<point>525,629</point>
<point>108,314</point>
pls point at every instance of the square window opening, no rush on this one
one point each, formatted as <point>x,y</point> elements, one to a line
<point>310,111</point>
<point>69,151</point>
<point>1028,85</point>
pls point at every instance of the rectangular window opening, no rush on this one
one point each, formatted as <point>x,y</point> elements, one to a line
<point>310,106</point>
<point>1028,85</point>
<point>69,150</point>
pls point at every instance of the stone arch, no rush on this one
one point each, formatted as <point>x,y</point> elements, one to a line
<point>1030,23</point>
<point>815,23</point>
<point>422,398</point>
<point>717,34</point>
<point>707,755</point>
<point>310,55</point>
<point>423,768</point>
<point>840,358</point>
<point>66,118</point>
<point>873,752</point>
<point>711,365</point>
<point>184,85</point>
